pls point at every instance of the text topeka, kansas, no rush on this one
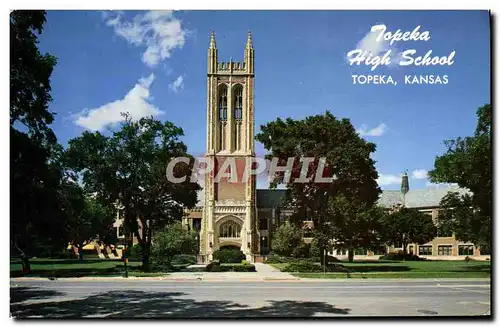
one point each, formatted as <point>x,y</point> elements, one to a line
<point>408,79</point>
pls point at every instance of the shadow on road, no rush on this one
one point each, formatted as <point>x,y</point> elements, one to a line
<point>138,304</point>
<point>20,294</point>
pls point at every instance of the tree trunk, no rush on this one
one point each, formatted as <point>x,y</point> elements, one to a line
<point>145,247</point>
<point>24,260</point>
<point>80,252</point>
<point>350,253</point>
<point>350,256</point>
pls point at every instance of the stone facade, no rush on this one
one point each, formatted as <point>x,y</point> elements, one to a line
<point>256,213</point>
<point>230,133</point>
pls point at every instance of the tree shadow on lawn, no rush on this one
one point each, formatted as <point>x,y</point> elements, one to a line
<point>376,268</point>
<point>68,273</point>
<point>65,261</point>
<point>473,268</point>
<point>139,304</point>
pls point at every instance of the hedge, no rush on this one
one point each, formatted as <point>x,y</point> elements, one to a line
<point>216,266</point>
<point>229,255</point>
<point>401,256</point>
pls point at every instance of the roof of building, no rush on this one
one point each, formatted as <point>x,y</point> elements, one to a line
<point>418,198</point>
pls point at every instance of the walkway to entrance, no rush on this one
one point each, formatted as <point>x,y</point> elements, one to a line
<point>271,273</point>
<point>263,272</point>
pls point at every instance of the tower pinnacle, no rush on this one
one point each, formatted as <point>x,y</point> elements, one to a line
<point>212,41</point>
<point>249,40</point>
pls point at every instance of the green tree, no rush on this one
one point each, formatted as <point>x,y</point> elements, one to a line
<point>468,162</point>
<point>173,240</point>
<point>408,225</point>
<point>129,168</point>
<point>87,218</point>
<point>286,239</point>
<point>355,225</point>
<point>34,174</point>
<point>346,158</point>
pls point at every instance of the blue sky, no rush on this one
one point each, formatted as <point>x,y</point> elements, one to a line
<point>155,63</point>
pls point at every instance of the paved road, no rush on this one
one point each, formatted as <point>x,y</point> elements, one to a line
<point>190,299</point>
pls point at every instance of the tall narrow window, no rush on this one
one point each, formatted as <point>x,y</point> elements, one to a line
<point>238,115</point>
<point>222,96</point>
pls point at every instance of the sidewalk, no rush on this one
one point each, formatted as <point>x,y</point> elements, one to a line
<point>263,273</point>
<point>271,273</point>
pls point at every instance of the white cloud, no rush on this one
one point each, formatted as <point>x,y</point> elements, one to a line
<point>136,103</point>
<point>371,45</point>
<point>419,174</point>
<point>384,179</point>
<point>377,131</point>
<point>159,31</point>
<point>177,85</point>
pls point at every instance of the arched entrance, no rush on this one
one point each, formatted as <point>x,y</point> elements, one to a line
<point>229,232</point>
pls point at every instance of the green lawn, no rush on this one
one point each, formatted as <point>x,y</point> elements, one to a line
<point>74,268</point>
<point>406,269</point>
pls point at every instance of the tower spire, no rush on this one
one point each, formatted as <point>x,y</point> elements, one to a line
<point>249,40</point>
<point>405,186</point>
<point>212,40</point>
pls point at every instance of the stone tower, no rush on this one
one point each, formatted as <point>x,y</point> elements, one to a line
<point>229,210</point>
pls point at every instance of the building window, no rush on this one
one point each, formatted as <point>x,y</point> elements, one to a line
<point>410,249</point>
<point>238,102</point>
<point>230,229</point>
<point>425,250</point>
<point>121,231</point>
<point>466,250</point>
<point>222,116</point>
<point>238,115</point>
<point>444,249</point>
<point>223,102</point>
<point>263,224</point>
<point>197,224</point>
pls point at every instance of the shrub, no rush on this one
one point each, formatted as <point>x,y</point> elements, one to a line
<point>213,266</point>
<point>330,259</point>
<point>302,250</point>
<point>401,256</point>
<point>229,255</point>
<point>286,239</point>
<point>303,266</point>
<point>135,252</point>
<point>184,259</point>
<point>309,267</point>
<point>216,266</point>
<point>247,267</point>
<point>273,258</point>
<point>173,240</point>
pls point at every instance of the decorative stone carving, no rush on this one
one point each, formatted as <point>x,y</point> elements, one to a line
<point>230,203</point>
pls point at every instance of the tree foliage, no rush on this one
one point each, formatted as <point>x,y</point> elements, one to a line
<point>468,162</point>
<point>406,226</point>
<point>35,176</point>
<point>173,240</point>
<point>347,158</point>
<point>128,169</point>
<point>355,225</point>
<point>287,238</point>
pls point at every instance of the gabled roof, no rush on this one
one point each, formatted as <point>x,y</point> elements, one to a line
<point>419,198</point>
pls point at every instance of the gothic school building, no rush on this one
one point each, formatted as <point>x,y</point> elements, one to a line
<point>239,215</point>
